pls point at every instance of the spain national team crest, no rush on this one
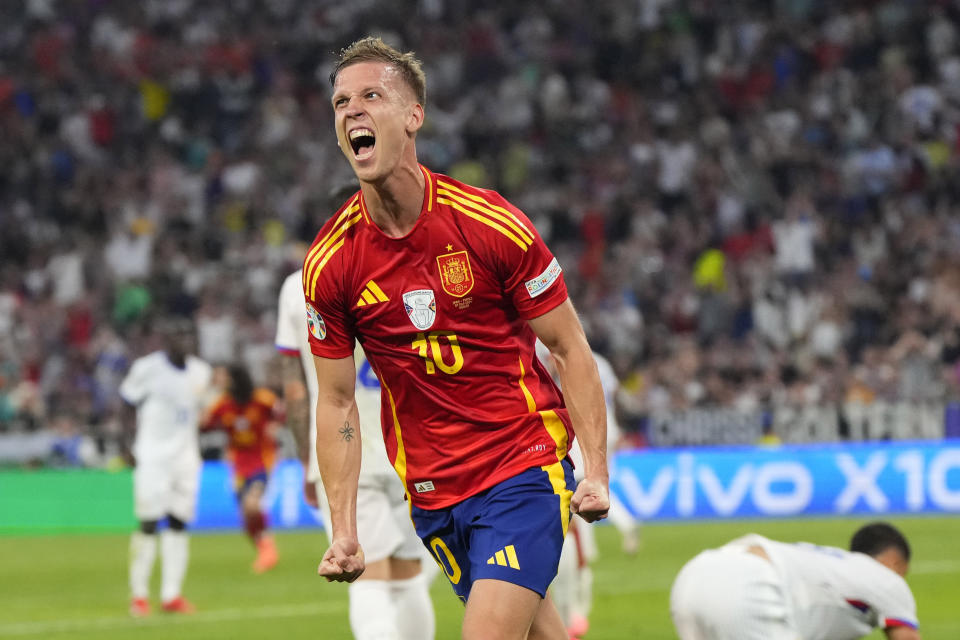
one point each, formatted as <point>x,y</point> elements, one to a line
<point>318,328</point>
<point>421,307</point>
<point>455,274</point>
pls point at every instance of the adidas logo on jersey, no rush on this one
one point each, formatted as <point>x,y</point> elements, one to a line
<point>424,487</point>
<point>506,557</point>
<point>372,294</point>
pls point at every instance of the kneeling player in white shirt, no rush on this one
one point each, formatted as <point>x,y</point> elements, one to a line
<point>758,589</point>
<point>391,600</point>
<point>168,389</point>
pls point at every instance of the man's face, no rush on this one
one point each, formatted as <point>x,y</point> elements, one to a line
<point>376,117</point>
<point>180,340</point>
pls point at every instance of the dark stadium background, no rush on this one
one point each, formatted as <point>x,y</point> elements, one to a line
<point>755,205</point>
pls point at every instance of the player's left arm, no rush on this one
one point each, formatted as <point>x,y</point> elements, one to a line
<point>560,330</point>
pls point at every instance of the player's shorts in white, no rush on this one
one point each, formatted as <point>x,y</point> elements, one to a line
<point>162,487</point>
<point>384,527</point>
<point>730,594</point>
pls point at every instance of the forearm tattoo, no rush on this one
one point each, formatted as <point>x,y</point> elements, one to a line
<point>346,432</point>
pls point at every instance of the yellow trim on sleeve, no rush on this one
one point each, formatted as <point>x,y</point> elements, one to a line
<point>487,207</point>
<point>322,252</point>
<point>490,223</point>
<point>319,246</point>
<point>323,263</point>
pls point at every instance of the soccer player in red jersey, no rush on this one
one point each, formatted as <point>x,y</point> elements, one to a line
<point>248,416</point>
<point>446,287</point>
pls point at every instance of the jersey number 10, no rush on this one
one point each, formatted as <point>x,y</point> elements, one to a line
<point>434,359</point>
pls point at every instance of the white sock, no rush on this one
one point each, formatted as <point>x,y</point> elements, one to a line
<point>586,590</point>
<point>414,609</point>
<point>175,552</point>
<point>143,551</point>
<point>372,615</point>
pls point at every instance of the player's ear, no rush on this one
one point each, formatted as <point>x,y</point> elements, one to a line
<point>415,118</point>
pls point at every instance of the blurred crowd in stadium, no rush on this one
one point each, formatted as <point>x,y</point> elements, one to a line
<point>754,202</point>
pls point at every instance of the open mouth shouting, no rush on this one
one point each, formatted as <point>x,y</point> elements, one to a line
<point>362,141</point>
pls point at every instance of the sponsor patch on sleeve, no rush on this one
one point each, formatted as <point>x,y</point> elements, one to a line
<point>543,281</point>
<point>318,328</point>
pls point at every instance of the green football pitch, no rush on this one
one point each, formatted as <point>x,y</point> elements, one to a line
<point>75,586</point>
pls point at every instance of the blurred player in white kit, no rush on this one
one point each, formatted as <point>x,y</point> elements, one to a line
<point>391,600</point>
<point>572,589</point>
<point>754,588</point>
<point>169,389</point>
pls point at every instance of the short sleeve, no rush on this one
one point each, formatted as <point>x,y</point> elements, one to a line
<point>291,313</point>
<point>330,326</point>
<point>533,278</point>
<point>890,597</point>
<point>134,388</point>
<point>896,607</point>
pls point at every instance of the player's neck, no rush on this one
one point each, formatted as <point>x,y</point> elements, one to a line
<point>178,360</point>
<point>395,203</point>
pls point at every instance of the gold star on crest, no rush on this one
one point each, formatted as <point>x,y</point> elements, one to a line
<point>449,247</point>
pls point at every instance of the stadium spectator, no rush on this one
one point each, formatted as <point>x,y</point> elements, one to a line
<point>664,128</point>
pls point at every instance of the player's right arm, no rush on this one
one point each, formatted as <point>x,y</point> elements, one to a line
<point>134,389</point>
<point>338,456</point>
<point>902,633</point>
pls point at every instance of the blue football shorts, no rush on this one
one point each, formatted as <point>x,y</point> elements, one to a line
<point>512,531</point>
<point>242,484</point>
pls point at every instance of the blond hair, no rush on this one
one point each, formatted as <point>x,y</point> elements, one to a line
<point>371,49</point>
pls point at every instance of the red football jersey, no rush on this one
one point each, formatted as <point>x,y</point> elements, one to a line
<point>250,447</point>
<point>442,316</point>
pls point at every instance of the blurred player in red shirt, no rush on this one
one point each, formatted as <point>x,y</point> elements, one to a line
<point>249,417</point>
<point>446,286</point>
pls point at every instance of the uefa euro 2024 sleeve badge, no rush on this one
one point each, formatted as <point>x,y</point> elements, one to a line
<point>421,307</point>
<point>318,328</point>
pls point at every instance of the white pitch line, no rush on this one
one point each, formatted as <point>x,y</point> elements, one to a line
<point>934,566</point>
<point>217,615</point>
